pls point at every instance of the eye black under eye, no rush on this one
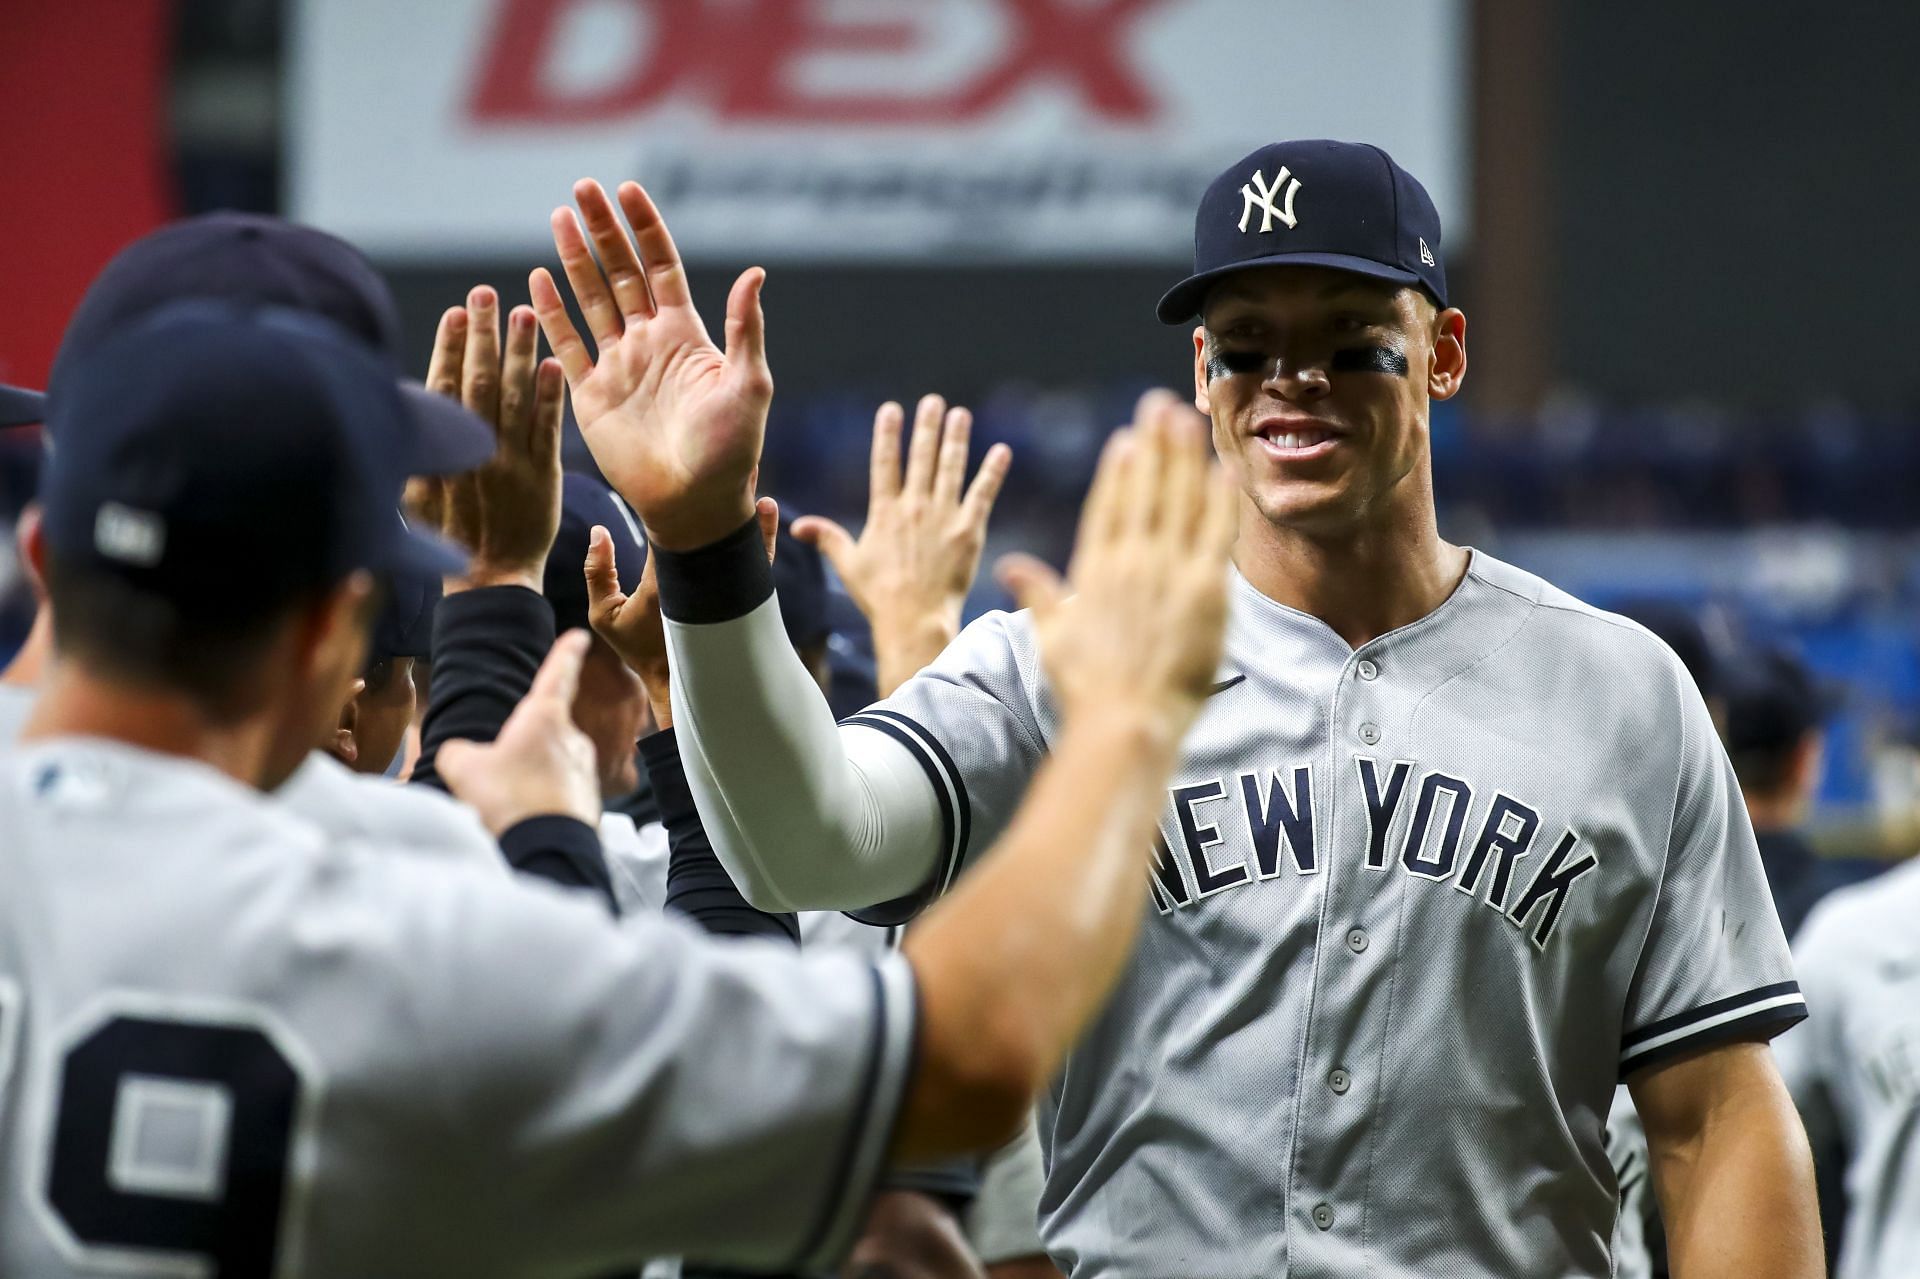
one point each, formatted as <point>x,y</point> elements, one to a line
<point>1369,359</point>
<point>1225,363</point>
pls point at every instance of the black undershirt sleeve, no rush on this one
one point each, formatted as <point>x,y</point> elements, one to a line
<point>488,644</point>
<point>562,850</point>
<point>698,886</point>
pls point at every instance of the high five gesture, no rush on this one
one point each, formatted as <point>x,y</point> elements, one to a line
<point>674,422</point>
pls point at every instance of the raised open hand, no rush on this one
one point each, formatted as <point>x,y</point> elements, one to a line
<point>674,424</point>
<point>911,567</point>
<point>1142,632</point>
<point>506,512</point>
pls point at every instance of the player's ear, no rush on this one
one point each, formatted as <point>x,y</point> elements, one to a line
<point>1201,400</point>
<point>30,537</point>
<point>1809,754</point>
<point>1449,368</point>
<point>345,747</point>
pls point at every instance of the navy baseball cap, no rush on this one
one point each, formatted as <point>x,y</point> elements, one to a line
<point>584,502</point>
<point>1774,700</point>
<point>404,627</point>
<point>165,478</point>
<point>800,583</point>
<point>1344,205</point>
<point>255,260</point>
<point>20,407</point>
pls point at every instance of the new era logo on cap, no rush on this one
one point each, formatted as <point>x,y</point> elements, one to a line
<point>129,536</point>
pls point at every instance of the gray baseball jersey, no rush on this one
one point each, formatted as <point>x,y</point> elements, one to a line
<point>349,805</point>
<point>1416,909</point>
<point>1854,1068</point>
<point>231,1044</point>
<point>636,863</point>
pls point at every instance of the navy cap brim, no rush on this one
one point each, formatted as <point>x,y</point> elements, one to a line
<point>450,438</point>
<point>21,407</point>
<point>422,554</point>
<point>1185,299</point>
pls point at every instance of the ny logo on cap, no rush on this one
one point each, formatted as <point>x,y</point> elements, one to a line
<point>1257,194</point>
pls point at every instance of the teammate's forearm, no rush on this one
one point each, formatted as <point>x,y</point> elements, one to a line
<point>1738,1198</point>
<point>1024,951</point>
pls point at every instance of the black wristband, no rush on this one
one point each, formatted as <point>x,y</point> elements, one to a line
<point>716,582</point>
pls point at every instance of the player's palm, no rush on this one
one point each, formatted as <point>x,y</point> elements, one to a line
<point>664,411</point>
<point>674,423</point>
<point>910,569</point>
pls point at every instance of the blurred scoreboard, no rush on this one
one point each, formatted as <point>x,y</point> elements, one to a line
<point>878,130</point>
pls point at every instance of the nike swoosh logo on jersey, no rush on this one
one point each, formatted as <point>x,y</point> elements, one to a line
<point>1903,969</point>
<point>1224,685</point>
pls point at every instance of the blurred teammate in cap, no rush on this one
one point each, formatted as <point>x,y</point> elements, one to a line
<point>611,706</point>
<point>1448,854</point>
<point>255,260</point>
<point>374,723</point>
<point>1854,1068</point>
<point>1776,732</point>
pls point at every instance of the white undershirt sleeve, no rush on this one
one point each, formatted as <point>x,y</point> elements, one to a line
<point>805,814</point>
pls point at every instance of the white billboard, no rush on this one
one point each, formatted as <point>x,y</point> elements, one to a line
<point>894,130</point>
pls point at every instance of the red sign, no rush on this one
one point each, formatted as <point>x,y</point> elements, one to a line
<point>740,58</point>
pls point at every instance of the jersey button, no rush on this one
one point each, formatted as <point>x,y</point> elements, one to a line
<point>1367,670</point>
<point>1357,940</point>
<point>1369,733</point>
<point>1340,1081</point>
<point>1323,1216</point>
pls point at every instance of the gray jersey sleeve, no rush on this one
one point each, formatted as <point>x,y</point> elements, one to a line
<point>973,723</point>
<point>642,1085</point>
<point>1714,966</point>
<point>885,808</point>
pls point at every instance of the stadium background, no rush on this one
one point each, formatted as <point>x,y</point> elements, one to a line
<point>1686,253</point>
